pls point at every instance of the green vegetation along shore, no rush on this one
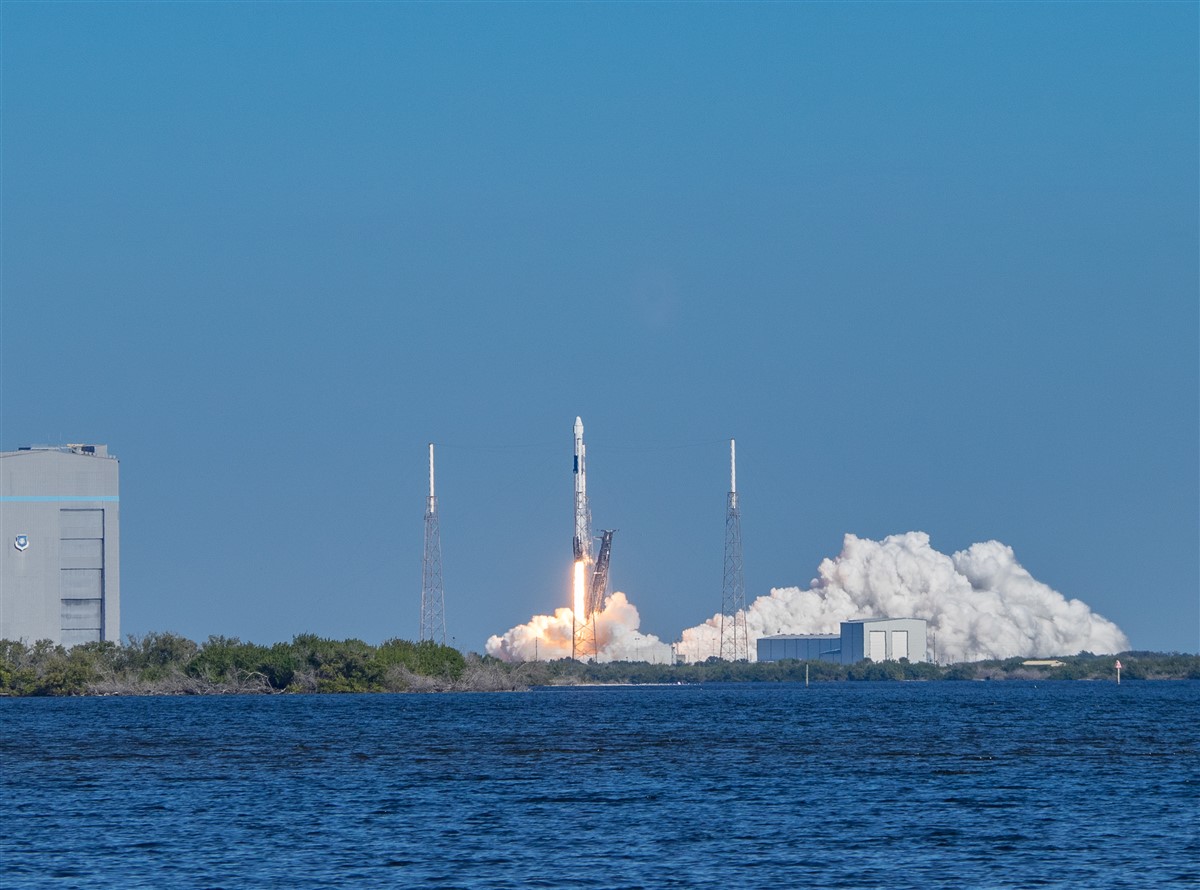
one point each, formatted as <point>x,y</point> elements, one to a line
<point>168,664</point>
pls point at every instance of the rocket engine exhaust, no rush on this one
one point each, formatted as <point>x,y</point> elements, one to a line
<point>579,595</point>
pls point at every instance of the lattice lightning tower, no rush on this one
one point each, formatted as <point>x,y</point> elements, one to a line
<point>735,645</point>
<point>433,594</point>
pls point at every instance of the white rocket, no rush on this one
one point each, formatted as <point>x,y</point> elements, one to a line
<point>583,516</point>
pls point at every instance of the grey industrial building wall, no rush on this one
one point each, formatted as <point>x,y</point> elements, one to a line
<point>60,567</point>
<point>873,639</point>
<point>883,639</point>
<point>806,647</point>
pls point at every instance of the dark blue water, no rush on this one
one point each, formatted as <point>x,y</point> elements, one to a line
<point>758,785</point>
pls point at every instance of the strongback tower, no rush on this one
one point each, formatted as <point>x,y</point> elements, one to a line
<point>734,643</point>
<point>433,595</point>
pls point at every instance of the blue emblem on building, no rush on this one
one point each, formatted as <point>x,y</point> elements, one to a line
<point>22,542</point>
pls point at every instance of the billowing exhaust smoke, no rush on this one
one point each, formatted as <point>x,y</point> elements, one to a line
<point>547,637</point>
<point>980,603</point>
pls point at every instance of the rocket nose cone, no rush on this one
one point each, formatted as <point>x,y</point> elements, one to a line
<point>578,426</point>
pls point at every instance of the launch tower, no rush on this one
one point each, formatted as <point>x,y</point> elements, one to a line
<point>433,595</point>
<point>734,642</point>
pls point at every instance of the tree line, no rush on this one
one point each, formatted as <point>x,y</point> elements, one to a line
<point>1084,666</point>
<point>169,664</point>
<point>166,664</point>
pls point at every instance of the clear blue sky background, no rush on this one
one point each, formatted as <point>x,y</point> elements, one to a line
<point>934,265</point>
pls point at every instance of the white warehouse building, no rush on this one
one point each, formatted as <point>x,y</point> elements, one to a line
<point>60,566</point>
<point>872,639</point>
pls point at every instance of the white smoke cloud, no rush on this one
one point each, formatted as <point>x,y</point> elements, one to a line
<point>547,637</point>
<point>980,603</point>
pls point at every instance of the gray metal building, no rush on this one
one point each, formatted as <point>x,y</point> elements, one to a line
<point>60,566</point>
<point>802,647</point>
<point>883,639</point>
<point>873,639</point>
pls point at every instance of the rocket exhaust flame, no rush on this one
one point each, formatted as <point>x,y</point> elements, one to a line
<point>549,637</point>
<point>580,592</point>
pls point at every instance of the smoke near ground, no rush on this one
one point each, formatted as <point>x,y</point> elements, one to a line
<point>980,603</point>
<point>547,637</point>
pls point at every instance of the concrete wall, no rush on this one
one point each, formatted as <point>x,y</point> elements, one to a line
<point>60,566</point>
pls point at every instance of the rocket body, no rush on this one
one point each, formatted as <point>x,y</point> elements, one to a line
<point>582,542</point>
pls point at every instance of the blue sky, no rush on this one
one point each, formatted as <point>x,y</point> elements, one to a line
<point>934,265</point>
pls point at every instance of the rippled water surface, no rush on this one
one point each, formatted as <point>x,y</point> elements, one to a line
<point>950,785</point>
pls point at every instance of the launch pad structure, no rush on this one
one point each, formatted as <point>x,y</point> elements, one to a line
<point>433,594</point>
<point>735,645</point>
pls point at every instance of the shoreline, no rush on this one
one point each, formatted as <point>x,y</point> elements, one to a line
<point>167,664</point>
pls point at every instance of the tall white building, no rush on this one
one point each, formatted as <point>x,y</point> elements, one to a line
<point>60,565</point>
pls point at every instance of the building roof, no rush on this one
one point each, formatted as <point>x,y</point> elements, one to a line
<point>872,620</point>
<point>801,637</point>
<point>87,450</point>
